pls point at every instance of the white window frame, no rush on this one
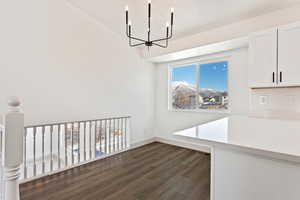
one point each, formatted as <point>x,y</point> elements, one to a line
<point>198,62</point>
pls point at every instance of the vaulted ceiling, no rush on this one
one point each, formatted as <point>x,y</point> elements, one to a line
<point>191,16</point>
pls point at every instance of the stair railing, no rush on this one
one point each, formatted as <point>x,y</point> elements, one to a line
<point>50,148</point>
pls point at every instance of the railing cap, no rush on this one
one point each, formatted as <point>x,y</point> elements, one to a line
<point>13,103</point>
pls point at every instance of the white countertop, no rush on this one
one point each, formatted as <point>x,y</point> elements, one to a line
<point>271,135</point>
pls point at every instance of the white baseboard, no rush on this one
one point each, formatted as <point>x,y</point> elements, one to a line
<point>179,143</point>
<point>142,143</point>
<point>188,145</point>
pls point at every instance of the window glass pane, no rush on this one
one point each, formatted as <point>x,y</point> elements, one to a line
<point>213,85</point>
<point>184,87</point>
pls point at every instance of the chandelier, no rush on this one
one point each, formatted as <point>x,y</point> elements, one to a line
<point>148,42</point>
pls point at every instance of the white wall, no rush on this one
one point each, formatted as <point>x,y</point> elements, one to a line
<point>169,121</point>
<point>66,66</point>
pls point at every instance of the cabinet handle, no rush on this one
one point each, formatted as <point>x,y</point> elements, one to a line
<point>280,77</point>
<point>273,77</point>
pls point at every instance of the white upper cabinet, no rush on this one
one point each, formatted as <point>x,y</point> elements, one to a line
<point>263,59</point>
<point>289,55</point>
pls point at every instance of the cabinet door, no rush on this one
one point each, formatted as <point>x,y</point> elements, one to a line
<point>289,55</point>
<point>263,59</point>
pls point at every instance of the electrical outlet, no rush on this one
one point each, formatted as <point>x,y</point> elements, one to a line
<point>291,99</point>
<point>263,100</point>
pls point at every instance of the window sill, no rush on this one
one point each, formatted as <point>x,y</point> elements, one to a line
<point>202,111</point>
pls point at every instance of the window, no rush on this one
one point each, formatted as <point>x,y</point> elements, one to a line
<point>200,86</point>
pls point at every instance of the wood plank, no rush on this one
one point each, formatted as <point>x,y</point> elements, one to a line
<point>152,172</point>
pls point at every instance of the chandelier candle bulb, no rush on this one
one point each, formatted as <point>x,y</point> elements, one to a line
<point>167,31</point>
<point>149,8</point>
<point>129,29</point>
<point>172,16</point>
<point>126,8</point>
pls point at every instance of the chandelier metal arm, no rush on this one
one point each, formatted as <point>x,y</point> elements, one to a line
<point>134,45</point>
<point>162,39</point>
<point>130,37</point>
<point>166,38</point>
<point>162,46</point>
<point>142,42</point>
<point>134,38</point>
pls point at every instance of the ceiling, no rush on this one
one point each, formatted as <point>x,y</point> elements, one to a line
<point>191,16</point>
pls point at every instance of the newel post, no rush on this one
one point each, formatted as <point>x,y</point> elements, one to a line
<point>13,148</point>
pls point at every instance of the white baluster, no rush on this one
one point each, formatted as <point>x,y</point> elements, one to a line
<point>13,149</point>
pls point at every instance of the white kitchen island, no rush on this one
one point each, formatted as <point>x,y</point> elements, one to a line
<point>251,158</point>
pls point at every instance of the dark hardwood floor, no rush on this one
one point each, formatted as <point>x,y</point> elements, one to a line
<point>153,172</point>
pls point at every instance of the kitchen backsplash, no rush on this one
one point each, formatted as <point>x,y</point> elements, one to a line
<point>285,100</point>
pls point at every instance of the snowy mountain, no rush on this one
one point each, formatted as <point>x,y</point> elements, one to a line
<point>180,86</point>
<point>185,97</point>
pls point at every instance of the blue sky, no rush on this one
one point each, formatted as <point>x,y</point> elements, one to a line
<point>212,75</point>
